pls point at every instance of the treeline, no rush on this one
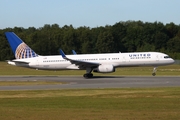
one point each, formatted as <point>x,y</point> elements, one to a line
<point>129,36</point>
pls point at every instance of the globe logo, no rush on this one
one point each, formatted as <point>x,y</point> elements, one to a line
<point>23,51</point>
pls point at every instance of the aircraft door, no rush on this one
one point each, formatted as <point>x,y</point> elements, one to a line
<point>124,59</point>
<point>157,57</point>
<point>37,63</point>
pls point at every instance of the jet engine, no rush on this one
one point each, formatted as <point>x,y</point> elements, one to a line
<point>104,69</point>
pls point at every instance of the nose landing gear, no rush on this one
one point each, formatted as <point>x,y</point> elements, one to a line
<point>154,71</point>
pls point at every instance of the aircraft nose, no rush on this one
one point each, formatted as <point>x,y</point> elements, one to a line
<point>172,61</point>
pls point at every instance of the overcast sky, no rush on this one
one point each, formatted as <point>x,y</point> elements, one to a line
<point>92,13</point>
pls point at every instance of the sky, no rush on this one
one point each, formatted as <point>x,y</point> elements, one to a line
<point>89,13</point>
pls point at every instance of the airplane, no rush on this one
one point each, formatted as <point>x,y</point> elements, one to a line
<point>101,63</point>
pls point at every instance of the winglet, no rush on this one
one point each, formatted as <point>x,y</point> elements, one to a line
<point>74,52</point>
<point>62,53</point>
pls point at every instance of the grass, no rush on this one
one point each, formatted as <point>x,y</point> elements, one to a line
<point>92,104</point>
<point>6,69</point>
<point>89,104</point>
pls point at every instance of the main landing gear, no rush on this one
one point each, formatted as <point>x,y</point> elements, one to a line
<point>154,71</point>
<point>88,73</point>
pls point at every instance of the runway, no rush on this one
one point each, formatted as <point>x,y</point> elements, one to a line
<point>78,82</point>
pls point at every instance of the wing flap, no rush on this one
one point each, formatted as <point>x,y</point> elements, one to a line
<point>84,63</point>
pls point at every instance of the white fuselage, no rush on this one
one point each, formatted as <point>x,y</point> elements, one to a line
<point>114,59</point>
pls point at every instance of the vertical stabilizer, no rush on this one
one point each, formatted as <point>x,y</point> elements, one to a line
<point>19,48</point>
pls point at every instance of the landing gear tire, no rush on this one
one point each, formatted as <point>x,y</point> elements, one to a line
<point>153,74</point>
<point>88,75</point>
<point>154,71</point>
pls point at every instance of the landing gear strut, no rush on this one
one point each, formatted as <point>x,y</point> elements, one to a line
<point>154,71</point>
<point>88,73</point>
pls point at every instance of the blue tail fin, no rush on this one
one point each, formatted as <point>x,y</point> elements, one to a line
<point>19,48</point>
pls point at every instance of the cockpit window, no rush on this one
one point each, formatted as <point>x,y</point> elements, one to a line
<point>166,57</point>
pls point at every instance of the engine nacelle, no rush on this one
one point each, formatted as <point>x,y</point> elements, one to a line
<point>104,69</point>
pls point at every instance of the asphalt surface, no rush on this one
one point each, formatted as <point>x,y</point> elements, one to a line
<point>76,82</point>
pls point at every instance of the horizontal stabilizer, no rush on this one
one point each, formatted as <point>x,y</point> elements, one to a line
<point>16,61</point>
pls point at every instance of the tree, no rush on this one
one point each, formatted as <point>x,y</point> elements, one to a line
<point>85,40</point>
<point>124,36</point>
<point>160,40</point>
<point>105,42</point>
<point>173,45</point>
<point>70,41</point>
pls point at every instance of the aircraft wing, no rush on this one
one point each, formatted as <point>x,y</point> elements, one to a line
<point>81,64</point>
